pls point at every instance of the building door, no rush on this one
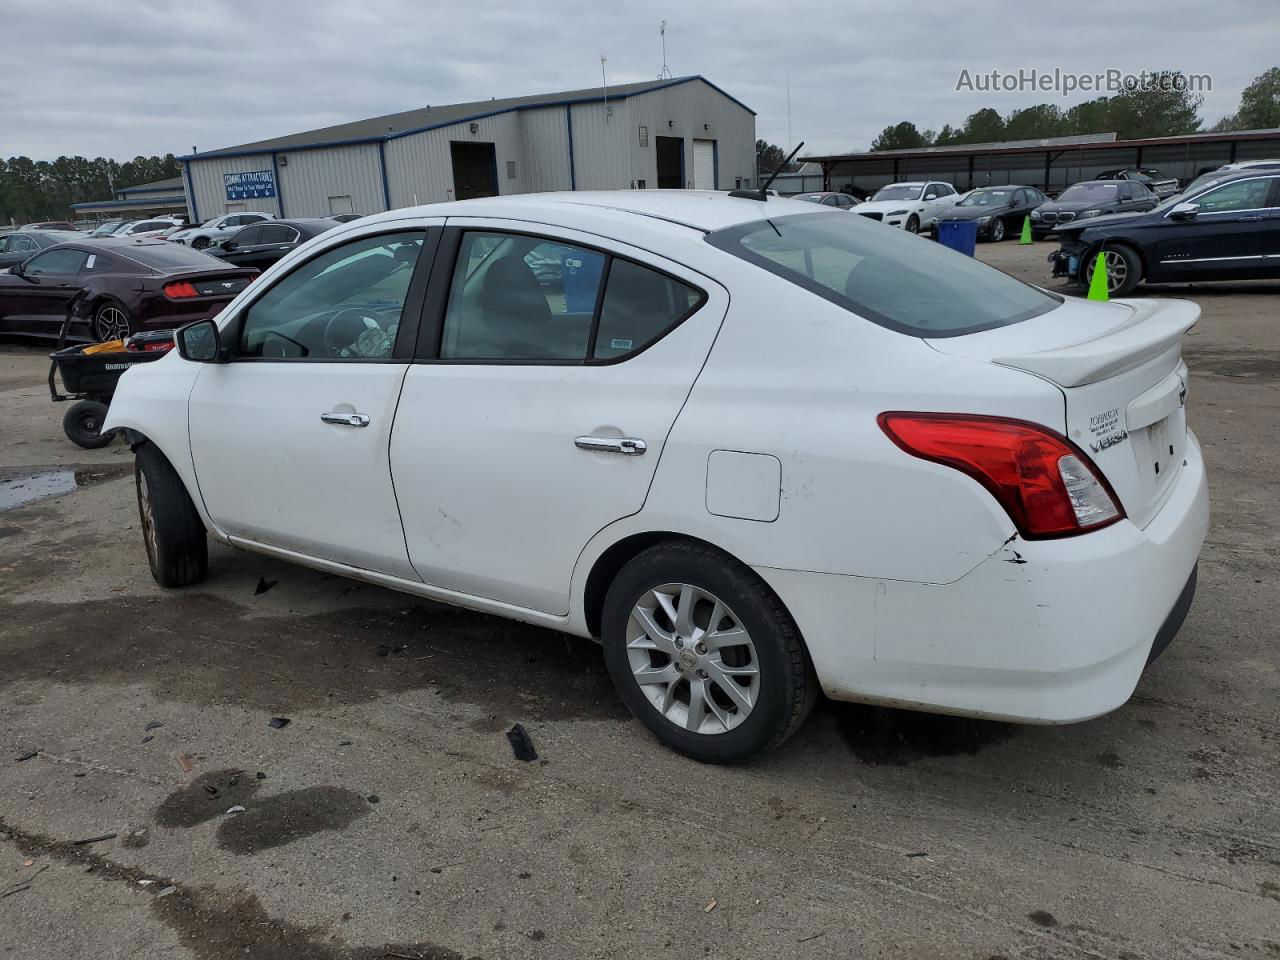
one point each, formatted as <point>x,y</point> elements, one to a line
<point>340,205</point>
<point>670,151</point>
<point>475,170</point>
<point>704,164</point>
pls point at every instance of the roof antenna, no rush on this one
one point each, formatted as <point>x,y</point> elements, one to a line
<point>604,82</point>
<point>763,192</point>
<point>664,73</point>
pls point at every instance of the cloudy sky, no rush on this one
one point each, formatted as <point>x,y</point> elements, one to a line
<point>153,76</point>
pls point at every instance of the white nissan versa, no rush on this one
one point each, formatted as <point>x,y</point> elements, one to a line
<point>757,449</point>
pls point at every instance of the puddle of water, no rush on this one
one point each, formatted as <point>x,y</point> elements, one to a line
<point>18,488</point>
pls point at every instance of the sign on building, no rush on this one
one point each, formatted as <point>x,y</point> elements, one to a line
<point>255,183</point>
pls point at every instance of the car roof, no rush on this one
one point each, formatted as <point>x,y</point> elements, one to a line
<point>704,210</point>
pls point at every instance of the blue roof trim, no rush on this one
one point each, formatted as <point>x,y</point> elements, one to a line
<point>357,141</point>
<point>107,204</point>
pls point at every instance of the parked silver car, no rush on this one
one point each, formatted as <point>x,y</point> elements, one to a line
<point>219,228</point>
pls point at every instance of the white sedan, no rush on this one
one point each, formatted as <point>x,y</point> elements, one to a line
<point>912,205</point>
<point>217,228</point>
<point>759,450</point>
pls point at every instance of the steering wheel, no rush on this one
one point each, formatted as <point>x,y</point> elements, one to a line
<point>355,320</point>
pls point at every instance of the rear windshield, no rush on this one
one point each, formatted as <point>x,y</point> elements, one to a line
<point>890,277</point>
<point>168,257</point>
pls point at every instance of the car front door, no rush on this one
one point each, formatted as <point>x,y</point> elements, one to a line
<point>1232,236</point>
<point>289,437</point>
<point>552,365</point>
<point>45,288</point>
<point>243,247</point>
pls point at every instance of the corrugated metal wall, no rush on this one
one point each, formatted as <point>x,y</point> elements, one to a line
<point>211,192</point>
<point>532,152</point>
<point>308,178</point>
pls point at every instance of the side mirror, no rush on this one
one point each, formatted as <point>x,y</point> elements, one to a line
<point>199,342</point>
<point>228,244</point>
<point>931,196</point>
<point>1185,211</point>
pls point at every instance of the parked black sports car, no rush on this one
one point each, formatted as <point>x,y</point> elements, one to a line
<point>17,247</point>
<point>999,211</point>
<point>261,244</point>
<point>112,288</point>
<point>1092,198</point>
<point>1229,230</point>
<point>1159,184</point>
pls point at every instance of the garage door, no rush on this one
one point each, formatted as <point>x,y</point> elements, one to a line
<point>704,164</point>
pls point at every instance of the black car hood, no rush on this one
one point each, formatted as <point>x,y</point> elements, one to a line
<point>1106,220</point>
<point>973,213</point>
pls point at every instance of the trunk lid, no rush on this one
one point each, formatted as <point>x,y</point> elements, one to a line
<point>1119,367</point>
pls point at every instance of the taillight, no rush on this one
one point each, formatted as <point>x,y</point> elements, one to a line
<point>180,290</point>
<point>1047,485</point>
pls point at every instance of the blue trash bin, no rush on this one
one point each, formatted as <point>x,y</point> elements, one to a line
<point>959,235</point>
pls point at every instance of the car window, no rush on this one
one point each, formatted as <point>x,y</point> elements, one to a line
<point>55,263</point>
<point>17,243</point>
<point>342,305</point>
<point>844,200</point>
<point>829,201</point>
<point>252,218</point>
<point>520,298</point>
<point>276,233</point>
<point>248,236</point>
<point>639,306</point>
<point>1240,195</point>
<point>885,276</point>
<point>99,263</point>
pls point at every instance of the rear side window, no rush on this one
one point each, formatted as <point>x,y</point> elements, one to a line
<point>517,298</point>
<point>888,276</point>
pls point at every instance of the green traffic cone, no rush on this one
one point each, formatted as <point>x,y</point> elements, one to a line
<point>1098,284</point>
<point>1026,230</point>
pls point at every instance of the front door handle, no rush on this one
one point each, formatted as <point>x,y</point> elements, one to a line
<point>627,446</point>
<point>346,419</point>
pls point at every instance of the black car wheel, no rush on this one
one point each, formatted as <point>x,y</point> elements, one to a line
<point>705,654</point>
<point>111,321</point>
<point>997,230</point>
<point>177,547</point>
<point>1124,270</point>
<point>913,224</point>
<point>83,424</point>
<point>199,243</point>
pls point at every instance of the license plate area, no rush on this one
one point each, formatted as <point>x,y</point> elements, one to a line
<point>1161,447</point>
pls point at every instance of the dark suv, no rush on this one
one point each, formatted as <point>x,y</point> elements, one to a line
<point>1226,230</point>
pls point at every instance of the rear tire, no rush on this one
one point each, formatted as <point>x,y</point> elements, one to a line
<point>83,424</point>
<point>174,536</point>
<point>726,673</point>
<point>111,321</point>
<point>1124,270</point>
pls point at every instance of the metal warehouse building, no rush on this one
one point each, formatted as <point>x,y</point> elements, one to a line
<point>144,200</point>
<point>681,132</point>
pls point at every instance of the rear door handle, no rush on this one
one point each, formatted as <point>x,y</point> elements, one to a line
<point>1246,219</point>
<point>627,446</point>
<point>346,419</point>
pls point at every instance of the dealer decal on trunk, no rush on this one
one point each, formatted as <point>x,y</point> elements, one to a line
<point>1106,430</point>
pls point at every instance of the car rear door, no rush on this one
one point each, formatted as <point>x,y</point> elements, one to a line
<point>289,438</point>
<point>1232,236</point>
<point>551,367</point>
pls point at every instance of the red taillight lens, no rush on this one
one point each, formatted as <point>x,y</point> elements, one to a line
<point>180,290</point>
<point>1046,484</point>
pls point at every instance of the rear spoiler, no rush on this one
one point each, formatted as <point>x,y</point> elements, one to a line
<point>1154,327</point>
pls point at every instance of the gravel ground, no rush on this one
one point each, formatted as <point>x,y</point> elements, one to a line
<point>389,819</point>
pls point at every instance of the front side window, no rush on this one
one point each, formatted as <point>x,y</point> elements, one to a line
<point>1241,195</point>
<point>887,276</point>
<point>55,263</point>
<point>518,298</point>
<point>345,304</point>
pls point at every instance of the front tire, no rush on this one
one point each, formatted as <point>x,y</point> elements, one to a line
<point>912,224</point>
<point>997,230</point>
<point>705,654</point>
<point>174,536</point>
<point>199,243</point>
<point>1124,270</point>
<point>83,424</point>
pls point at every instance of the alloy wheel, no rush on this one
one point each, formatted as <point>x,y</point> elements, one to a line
<point>692,658</point>
<point>997,230</point>
<point>1117,270</point>
<point>111,323</point>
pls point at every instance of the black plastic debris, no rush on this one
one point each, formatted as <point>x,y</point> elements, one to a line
<point>147,739</point>
<point>263,586</point>
<point>105,836</point>
<point>278,723</point>
<point>27,756</point>
<point>521,744</point>
<point>373,798</point>
<point>260,775</point>
<point>153,725</point>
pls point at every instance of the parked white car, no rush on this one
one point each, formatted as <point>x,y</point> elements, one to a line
<point>757,458</point>
<point>913,205</point>
<point>148,228</point>
<point>218,228</point>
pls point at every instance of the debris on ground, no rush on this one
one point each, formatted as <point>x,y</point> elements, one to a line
<point>185,762</point>
<point>166,891</point>
<point>236,809</point>
<point>919,854</point>
<point>260,775</point>
<point>105,836</point>
<point>373,798</point>
<point>278,723</point>
<point>344,743</point>
<point>711,905</point>
<point>521,744</point>
<point>27,756</point>
<point>263,586</point>
<point>153,725</point>
<point>22,885</point>
<point>147,739</point>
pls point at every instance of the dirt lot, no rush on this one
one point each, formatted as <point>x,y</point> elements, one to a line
<point>389,819</point>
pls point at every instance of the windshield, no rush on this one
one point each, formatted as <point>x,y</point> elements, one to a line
<point>987,198</point>
<point>887,276</point>
<point>1089,193</point>
<point>213,222</point>
<point>899,191</point>
<point>104,229</point>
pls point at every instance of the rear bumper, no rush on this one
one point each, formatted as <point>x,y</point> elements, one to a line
<point>1052,631</point>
